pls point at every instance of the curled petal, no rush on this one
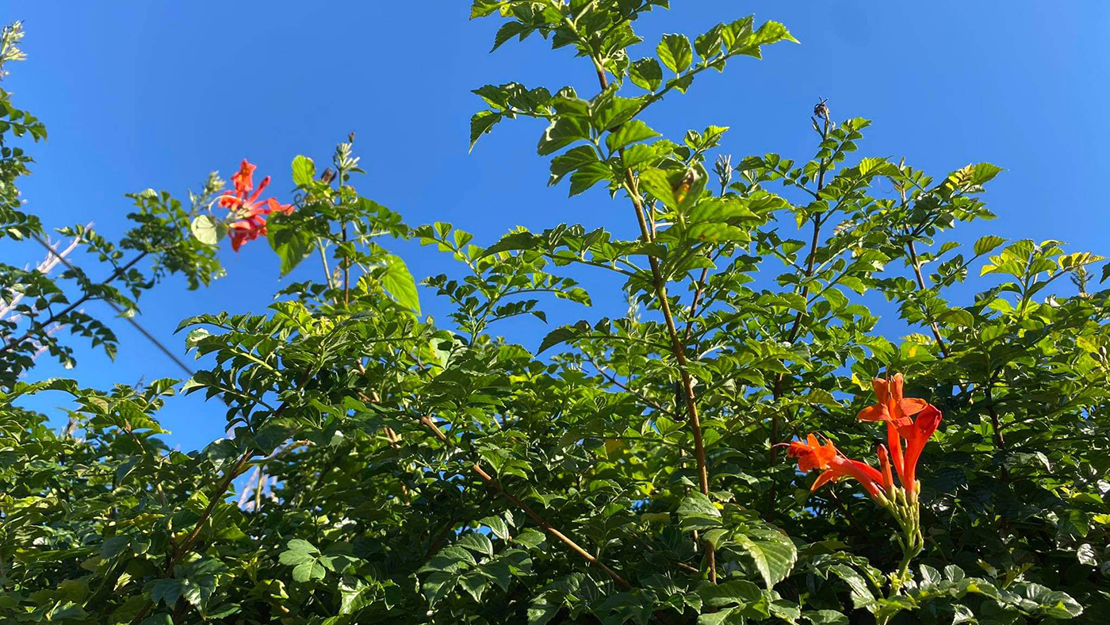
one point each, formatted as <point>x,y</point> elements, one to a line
<point>910,406</point>
<point>812,454</point>
<point>877,412</point>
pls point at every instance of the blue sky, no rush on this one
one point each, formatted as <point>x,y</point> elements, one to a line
<point>142,94</point>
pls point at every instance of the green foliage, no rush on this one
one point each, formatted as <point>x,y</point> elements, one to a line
<point>382,467</point>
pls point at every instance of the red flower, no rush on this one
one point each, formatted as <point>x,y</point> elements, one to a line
<point>248,210</point>
<point>894,409</point>
<point>835,465</point>
<point>242,178</point>
<point>917,433</point>
<point>892,406</point>
<point>245,230</point>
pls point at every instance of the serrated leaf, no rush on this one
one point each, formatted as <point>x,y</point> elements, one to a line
<point>478,543</point>
<point>988,243</point>
<point>773,552</point>
<point>675,52</point>
<point>497,526</point>
<point>697,504</point>
<point>481,123</point>
<point>397,280</point>
<point>629,133</point>
<point>289,239</point>
<point>646,74</point>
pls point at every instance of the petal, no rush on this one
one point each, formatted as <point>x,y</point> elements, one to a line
<point>824,478</point>
<point>910,406</point>
<point>895,444</point>
<point>864,472</point>
<point>895,387</point>
<point>797,449</point>
<point>258,192</point>
<point>880,387</point>
<point>884,465</point>
<point>927,421</point>
<point>808,462</point>
<point>877,412</point>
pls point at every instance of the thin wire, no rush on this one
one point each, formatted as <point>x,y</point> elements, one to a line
<point>131,320</point>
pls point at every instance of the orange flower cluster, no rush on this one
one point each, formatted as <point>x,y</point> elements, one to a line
<point>910,423</point>
<point>249,211</point>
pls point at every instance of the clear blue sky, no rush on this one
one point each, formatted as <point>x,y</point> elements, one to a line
<point>156,94</point>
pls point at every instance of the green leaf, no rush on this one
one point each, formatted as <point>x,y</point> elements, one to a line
<point>167,590</point>
<point>658,184</point>
<point>397,280</point>
<point>475,584</point>
<point>298,551</point>
<point>310,570</point>
<point>555,337</point>
<point>825,617</point>
<point>696,503</point>
<point>985,244</point>
<point>437,585</point>
<point>773,552</point>
<point>772,32</point>
<point>304,170</point>
<point>675,52</point>
<point>957,317</point>
<point>730,616</point>
<point>497,526</point>
<point>481,123</point>
<point>1087,555</point>
<point>529,538</point>
<point>646,74</point>
<point>861,592</point>
<point>478,543</point>
<point>206,229</point>
<point>730,593</point>
<point>588,176</point>
<point>1051,603</point>
<point>289,239</point>
<point>629,133</point>
<point>562,132</point>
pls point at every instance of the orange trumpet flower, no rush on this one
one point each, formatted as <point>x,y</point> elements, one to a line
<point>892,408</point>
<point>835,465</point>
<point>917,433</point>
<point>249,211</point>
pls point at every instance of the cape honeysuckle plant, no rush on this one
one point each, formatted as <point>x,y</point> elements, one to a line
<point>383,466</point>
<point>909,419</point>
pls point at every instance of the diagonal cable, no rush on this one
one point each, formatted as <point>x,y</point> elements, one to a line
<point>131,320</point>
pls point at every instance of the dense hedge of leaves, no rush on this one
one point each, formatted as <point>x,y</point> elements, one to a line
<point>385,468</point>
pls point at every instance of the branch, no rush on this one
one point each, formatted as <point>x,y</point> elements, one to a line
<point>186,545</point>
<point>488,479</point>
<point>776,421</point>
<point>916,264</point>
